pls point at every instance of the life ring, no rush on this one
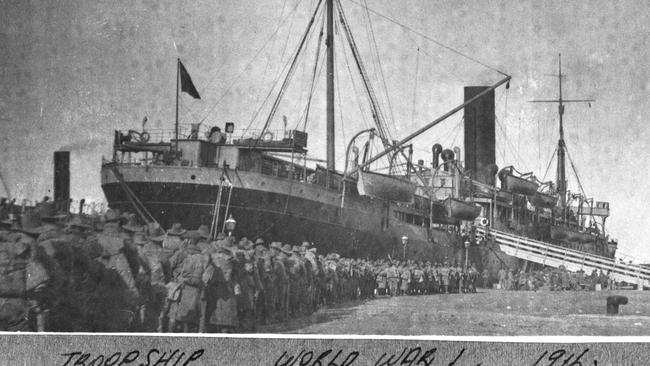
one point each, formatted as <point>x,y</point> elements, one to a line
<point>267,136</point>
<point>484,221</point>
<point>144,136</point>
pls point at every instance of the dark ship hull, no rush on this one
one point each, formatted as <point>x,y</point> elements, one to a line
<point>365,227</point>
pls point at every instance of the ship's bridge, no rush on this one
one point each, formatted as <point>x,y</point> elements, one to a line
<point>196,146</point>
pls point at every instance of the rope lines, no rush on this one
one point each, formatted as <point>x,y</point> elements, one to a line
<point>428,38</point>
<point>245,69</point>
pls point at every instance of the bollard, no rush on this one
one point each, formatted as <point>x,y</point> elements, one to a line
<point>613,302</point>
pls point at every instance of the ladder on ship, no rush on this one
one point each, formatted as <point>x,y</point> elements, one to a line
<point>573,260</point>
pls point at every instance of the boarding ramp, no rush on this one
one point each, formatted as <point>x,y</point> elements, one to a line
<point>573,260</point>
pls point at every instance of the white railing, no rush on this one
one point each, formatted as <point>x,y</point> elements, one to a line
<point>184,131</point>
<point>573,260</point>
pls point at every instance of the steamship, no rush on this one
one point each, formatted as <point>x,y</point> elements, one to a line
<point>262,181</point>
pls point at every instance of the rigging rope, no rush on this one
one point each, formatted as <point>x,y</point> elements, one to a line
<point>415,85</point>
<point>287,79</point>
<point>354,86</point>
<point>268,96</point>
<point>429,38</point>
<point>378,116</point>
<point>575,171</point>
<point>305,111</point>
<point>517,156</point>
<point>457,129</point>
<point>212,78</point>
<point>549,163</point>
<point>241,73</point>
<point>314,75</point>
<point>381,69</point>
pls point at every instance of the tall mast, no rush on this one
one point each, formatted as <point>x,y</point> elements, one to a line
<point>561,146</point>
<point>561,159</point>
<point>330,84</point>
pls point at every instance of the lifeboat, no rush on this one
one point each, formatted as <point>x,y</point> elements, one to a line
<point>571,235</point>
<point>542,200</point>
<point>516,184</point>
<point>384,186</point>
<point>439,214</point>
<point>462,210</point>
<point>559,233</point>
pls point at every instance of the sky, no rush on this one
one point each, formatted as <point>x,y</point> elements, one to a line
<point>73,71</point>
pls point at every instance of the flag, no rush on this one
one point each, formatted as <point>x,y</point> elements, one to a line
<point>186,82</point>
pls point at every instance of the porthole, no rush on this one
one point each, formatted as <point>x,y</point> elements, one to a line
<point>192,176</point>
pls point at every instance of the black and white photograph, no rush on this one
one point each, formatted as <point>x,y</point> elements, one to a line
<point>328,168</point>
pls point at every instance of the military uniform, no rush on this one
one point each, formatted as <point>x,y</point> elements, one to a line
<point>393,280</point>
<point>280,281</point>
<point>188,266</point>
<point>219,303</point>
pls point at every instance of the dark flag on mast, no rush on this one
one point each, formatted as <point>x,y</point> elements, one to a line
<point>186,82</point>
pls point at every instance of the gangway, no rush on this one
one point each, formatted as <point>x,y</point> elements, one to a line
<point>573,260</point>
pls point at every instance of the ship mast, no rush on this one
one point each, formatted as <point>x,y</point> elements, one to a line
<point>561,157</point>
<point>330,85</point>
<point>561,181</point>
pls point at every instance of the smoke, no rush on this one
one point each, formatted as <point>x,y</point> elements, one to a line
<point>84,145</point>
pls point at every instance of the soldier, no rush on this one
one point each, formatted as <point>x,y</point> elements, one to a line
<point>30,284</point>
<point>473,278</point>
<point>219,304</point>
<point>204,238</point>
<point>418,280</point>
<point>249,284</point>
<point>155,261</point>
<point>502,278</point>
<point>281,282</point>
<point>313,272</point>
<point>173,240</point>
<point>445,273</point>
<point>264,264</point>
<point>331,277</point>
<point>187,266</point>
<point>117,290</point>
<point>432,278</point>
<point>393,279</point>
<point>296,272</point>
<point>451,282</point>
<point>510,279</point>
<point>485,278</point>
<point>381,280</point>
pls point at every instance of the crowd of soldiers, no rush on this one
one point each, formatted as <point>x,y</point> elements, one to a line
<point>554,279</point>
<point>397,278</point>
<point>73,273</point>
<point>114,274</point>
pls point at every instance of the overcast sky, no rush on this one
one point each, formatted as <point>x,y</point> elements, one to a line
<point>73,71</point>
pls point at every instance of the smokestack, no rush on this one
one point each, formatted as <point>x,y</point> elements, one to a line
<point>81,206</point>
<point>62,179</point>
<point>479,134</point>
<point>436,149</point>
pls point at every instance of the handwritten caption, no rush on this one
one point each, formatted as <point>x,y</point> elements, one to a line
<point>151,357</point>
<point>413,356</point>
<point>416,356</point>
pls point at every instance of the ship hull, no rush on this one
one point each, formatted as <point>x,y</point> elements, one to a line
<point>365,227</point>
